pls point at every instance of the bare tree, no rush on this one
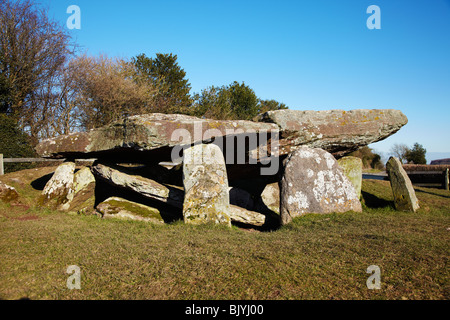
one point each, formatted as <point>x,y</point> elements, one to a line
<point>33,49</point>
<point>105,89</point>
<point>399,150</point>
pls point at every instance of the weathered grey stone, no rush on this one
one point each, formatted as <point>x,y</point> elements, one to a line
<point>352,168</point>
<point>146,187</point>
<point>82,179</point>
<point>313,182</point>
<point>404,195</point>
<point>156,133</point>
<point>247,217</point>
<point>60,186</point>
<point>206,186</point>
<point>336,131</point>
<point>116,207</point>
<point>269,199</point>
<point>7,193</point>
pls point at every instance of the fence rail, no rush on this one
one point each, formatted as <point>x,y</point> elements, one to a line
<point>429,178</point>
<point>24,160</point>
<point>28,160</point>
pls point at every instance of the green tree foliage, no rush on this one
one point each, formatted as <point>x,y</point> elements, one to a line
<point>417,154</point>
<point>5,95</point>
<point>164,73</point>
<point>243,101</point>
<point>269,105</point>
<point>369,158</point>
<point>14,143</point>
<point>232,102</point>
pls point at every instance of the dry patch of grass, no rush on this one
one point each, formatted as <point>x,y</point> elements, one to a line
<point>315,257</point>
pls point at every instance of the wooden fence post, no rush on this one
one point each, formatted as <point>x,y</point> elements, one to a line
<point>446,180</point>
<point>2,170</point>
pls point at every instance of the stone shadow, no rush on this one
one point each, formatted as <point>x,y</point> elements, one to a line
<point>39,183</point>
<point>373,202</point>
<point>433,193</point>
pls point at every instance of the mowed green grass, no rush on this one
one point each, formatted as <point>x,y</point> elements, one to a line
<point>315,257</point>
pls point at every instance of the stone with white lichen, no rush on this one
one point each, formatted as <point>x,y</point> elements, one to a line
<point>313,182</point>
<point>206,186</point>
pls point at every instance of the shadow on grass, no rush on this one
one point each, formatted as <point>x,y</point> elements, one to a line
<point>373,202</point>
<point>39,183</point>
<point>433,193</point>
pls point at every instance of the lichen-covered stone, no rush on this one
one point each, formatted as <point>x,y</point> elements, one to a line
<point>404,195</point>
<point>336,131</point>
<point>149,132</point>
<point>352,168</point>
<point>206,186</point>
<point>313,182</point>
<point>269,200</point>
<point>7,193</point>
<point>82,179</point>
<point>60,187</point>
<point>116,207</point>
<point>246,217</point>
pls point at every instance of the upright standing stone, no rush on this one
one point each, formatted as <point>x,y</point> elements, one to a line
<point>206,186</point>
<point>60,186</point>
<point>313,182</point>
<point>404,195</point>
<point>352,167</point>
<point>446,180</point>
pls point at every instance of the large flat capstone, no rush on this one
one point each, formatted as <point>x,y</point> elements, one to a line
<point>154,132</point>
<point>153,137</point>
<point>336,131</point>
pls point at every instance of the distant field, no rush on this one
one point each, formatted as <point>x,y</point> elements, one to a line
<point>315,257</point>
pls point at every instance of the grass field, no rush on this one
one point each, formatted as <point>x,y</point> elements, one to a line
<point>315,257</point>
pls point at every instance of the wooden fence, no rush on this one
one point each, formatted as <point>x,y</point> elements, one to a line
<point>28,160</point>
<point>428,175</point>
<point>23,160</point>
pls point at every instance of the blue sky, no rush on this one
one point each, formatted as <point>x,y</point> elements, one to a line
<point>310,55</point>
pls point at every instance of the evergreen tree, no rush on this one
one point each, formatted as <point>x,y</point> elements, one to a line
<point>14,143</point>
<point>169,78</point>
<point>236,101</point>
<point>417,154</point>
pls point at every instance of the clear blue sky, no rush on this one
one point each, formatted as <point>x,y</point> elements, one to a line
<point>310,55</point>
